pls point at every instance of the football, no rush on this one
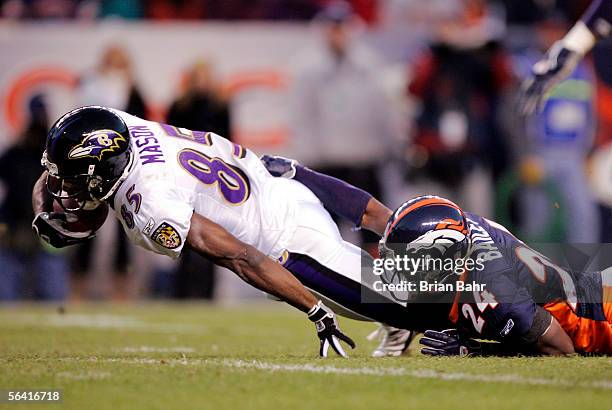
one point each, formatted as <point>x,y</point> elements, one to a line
<point>83,220</point>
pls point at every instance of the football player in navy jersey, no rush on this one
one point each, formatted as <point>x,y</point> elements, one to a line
<point>517,297</point>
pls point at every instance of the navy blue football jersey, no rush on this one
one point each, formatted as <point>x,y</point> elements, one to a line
<point>513,280</point>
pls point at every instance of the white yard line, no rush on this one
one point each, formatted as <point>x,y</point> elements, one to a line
<point>362,371</point>
<point>154,349</point>
<point>416,373</point>
<point>87,375</point>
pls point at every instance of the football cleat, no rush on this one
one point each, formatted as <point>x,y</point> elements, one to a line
<point>394,341</point>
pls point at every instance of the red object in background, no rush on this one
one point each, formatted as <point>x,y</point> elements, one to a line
<point>170,10</point>
<point>25,84</point>
<point>367,10</point>
<point>604,113</point>
<point>423,71</point>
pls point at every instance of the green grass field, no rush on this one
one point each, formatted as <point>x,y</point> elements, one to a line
<point>184,356</point>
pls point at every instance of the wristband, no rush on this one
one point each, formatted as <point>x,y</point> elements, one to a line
<point>317,312</point>
<point>579,39</point>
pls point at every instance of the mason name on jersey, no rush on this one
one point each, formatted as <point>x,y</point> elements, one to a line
<point>176,172</point>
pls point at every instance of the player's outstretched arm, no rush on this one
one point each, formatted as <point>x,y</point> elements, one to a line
<point>376,216</point>
<point>561,59</point>
<point>546,337</point>
<point>339,197</point>
<point>214,242</point>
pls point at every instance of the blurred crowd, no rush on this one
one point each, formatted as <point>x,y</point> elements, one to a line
<point>176,9</point>
<point>371,11</point>
<point>449,128</point>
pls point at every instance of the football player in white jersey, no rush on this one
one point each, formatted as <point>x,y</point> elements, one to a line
<point>171,187</point>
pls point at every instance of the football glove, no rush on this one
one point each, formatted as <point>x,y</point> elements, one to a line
<point>558,63</point>
<point>279,166</point>
<point>50,227</point>
<point>449,343</point>
<point>328,331</point>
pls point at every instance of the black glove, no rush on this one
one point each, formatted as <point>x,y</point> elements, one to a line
<point>449,343</point>
<point>279,166</point>
<point>558,63</point>
<point>328,331</point>
<point>50,227</point>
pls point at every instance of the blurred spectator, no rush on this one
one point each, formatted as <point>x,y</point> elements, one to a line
<point>111,84</point>
<point>459,147</point>
<point>46,9</point>
<point>126,9</point>
<point>534,11</point>
<point>559,138</point>
<point>602,158</point>
<point>340,113</point>
<point>368,10</point>
<point>261,9</point>
<point>232,9</point>
<point>175,9</point>
<point>49,9</point>
<point>201,105</point>
<point>526,11</point>
<point>29,269</point>
<point>289,9</point>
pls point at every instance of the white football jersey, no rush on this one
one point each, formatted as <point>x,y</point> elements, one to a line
<point>176,172</point>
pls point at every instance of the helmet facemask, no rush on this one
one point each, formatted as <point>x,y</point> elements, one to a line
<point>441,262</point>
<point>432,258</point>
<point>87,190</point>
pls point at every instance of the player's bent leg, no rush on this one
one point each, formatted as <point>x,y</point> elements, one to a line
<point>330,267</point>
<point>588,335</point>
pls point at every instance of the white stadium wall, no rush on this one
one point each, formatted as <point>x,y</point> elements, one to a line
<point>252,61</point>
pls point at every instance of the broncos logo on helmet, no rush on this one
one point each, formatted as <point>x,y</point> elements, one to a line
<point>440,239</point>
<point>426,227</point>
<point>97,143</point>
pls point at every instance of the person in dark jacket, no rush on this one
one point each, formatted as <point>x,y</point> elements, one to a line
<point>29,269</point>
<point>201,106</point>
